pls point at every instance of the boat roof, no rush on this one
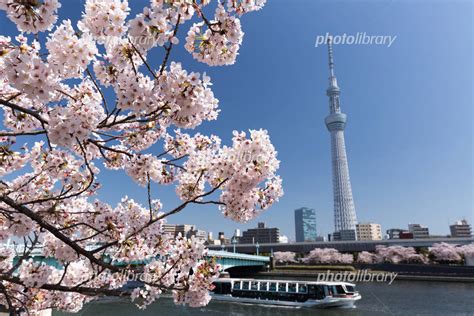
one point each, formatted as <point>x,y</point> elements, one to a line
<point>285,281</point>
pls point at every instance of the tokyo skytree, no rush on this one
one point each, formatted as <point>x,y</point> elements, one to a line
<point>344,209</point>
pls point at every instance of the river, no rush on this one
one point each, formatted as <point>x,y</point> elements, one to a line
<point>399,298</point>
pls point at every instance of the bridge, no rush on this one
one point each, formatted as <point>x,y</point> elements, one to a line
<point>343,246</point>
<point>230,259</point>
<point>225,259</point>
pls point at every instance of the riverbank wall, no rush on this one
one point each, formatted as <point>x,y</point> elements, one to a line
<point>415,272</point>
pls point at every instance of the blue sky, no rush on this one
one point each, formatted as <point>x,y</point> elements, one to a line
<point>409,135</point>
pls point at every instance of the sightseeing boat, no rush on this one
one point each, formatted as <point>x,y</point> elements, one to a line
<point>286,293</point>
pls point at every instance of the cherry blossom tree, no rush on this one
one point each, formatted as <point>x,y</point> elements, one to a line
<point>399,254</point>
<point>88,98</point>
<point>366,257</point>
<point>467,251</point>
<point>284,257</point>
<point>446,253</point>
<point>328,256</point>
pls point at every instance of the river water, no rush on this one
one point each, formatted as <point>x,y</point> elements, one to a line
<point>399,298</point>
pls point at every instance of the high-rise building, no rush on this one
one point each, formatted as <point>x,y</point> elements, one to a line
<point>369,231</point>
<point>305,224</point>
<point>419,231</point>
<point>460,229</point>
<point>260,235</point>
<point>344,209</point>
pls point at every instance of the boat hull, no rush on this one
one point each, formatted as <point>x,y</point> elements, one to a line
<point>327,302</point>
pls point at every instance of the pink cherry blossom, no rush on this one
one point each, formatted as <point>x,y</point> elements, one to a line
<point>92,99</point>
<point>69,55</point>
<point>284,257</point>
<point>103,18</point>
<point>328,256</point>
<point>31,16</point>
<point>445,253</point>
<point>218,43</point>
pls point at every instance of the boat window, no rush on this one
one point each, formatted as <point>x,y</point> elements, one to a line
<point>350,288</point>
<point>273,287</point>
<point>226,288</point>
<point>263,286</point>
<point>321,292</point>
<point>281,287</point>
<point>302,288</point>
<point>245,285</point>
<point>254,286</point>
<point>339,289</point>
<point>327,290</point>
<point>217,288</point>
<point>292,287</point>
<point>237,285</point>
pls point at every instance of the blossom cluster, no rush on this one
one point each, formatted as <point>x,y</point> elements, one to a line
<point>399,254</point>
<point>216,44</point>
<point>449,253</point>
<point>328,256</point>
<point>74,123</point>
<point>188,95</point>
<point>31,16</point>
<point>438,253</point>
<point>69,54</point>
<point>103,18</point>
<point>25,71</point>
<point>247,164</point>
<point>284,257</point>
<point>244,6</point>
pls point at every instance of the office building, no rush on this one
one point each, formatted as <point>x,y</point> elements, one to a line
<point>368,231</point>
<point>261,235</point>
<point>460,229</point>
<point>418,231</point>
<point>305,224</point>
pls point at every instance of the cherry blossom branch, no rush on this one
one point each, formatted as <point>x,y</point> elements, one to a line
<point>100,146</point>
<point>65,195</point>
<point>169,47</point>
<point>66,94</point>
<point>208,23</point>
<point>143,59</point>
<point>16,107</point>
<point>100,91</point>
<point>53,230</point>
<point>148,186</point>
<point>89,291</point>
<point>26,253</point>
<point>11,308</point>
<point>162,216</point>
<point>22,133</point>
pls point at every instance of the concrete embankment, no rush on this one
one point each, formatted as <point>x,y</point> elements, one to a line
<point>437,273</point>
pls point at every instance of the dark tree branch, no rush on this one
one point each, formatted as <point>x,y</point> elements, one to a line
<point>22,133</point>
<point>15,107</point>
<point>169,47</point>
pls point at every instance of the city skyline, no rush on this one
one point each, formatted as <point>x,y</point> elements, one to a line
<point>410,152</point>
